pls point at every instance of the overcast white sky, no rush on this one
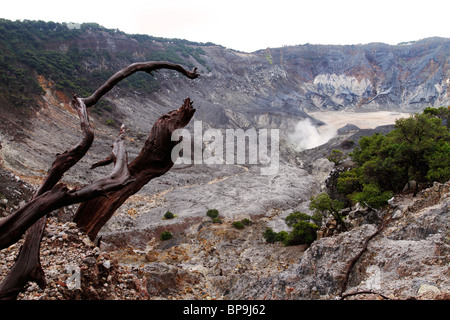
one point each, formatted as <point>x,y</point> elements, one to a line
<point>248,25</point>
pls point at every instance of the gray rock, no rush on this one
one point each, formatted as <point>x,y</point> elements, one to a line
<point>407,259</point>
<point>425,288</point>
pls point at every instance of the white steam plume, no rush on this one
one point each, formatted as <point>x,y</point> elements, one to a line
<point>307,136</point>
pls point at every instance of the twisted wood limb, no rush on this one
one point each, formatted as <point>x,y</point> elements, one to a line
<point>153,161</point>
<point>363,292</point>
<point>15,225</point>
<point>51,196</point>
<point>147,67</point>
<point>28,266</point>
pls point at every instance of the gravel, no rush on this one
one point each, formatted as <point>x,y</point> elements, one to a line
<point>75,269</point>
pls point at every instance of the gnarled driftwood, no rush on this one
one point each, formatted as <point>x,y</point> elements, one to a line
<point>124,180</point>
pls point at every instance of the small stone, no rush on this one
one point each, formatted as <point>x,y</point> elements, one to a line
<point>391,202</point>
<point>428,288</point>
<point>96,251</point>
<point>88,242</point>
<point>151,256</point>
<point>50,234</point>
<point>72,225</point>
<point>397,214</point>
<point>89,261</point>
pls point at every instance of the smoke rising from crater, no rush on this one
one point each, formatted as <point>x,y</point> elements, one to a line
<point>307,136</point>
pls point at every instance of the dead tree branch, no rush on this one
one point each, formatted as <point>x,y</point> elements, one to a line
<point>135,67</point>
<point>153,161</point>
<point>15,225</point>
<point>70,157</point>
<point>28,266</point>
<point>355,259</point>
<point>51,196</point>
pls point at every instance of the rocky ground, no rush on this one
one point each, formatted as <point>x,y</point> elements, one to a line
<point>206,260</point>
<point>409,259</point>
<point>75,268</point>
<point>202,263</point>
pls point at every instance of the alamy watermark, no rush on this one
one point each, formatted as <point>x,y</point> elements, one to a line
<point>73,282</point>
<point>235,146</point>
<point>373,282</point>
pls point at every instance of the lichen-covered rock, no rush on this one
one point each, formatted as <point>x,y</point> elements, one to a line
<point>412,252</point>
<point>319,272</point>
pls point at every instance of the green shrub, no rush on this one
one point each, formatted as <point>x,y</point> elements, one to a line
<point>324,205</point>
<point>270,235</point>
<point>166,235</point>
<point>281,236</point>
<point>212,213</point>
<point>296,217</point>
<point>169,215</point>
<point>317,218</point>
<point>372,196</point>
<point>303,233</point>
<point>216,220</point>
<point>337,157</point>
<point>238,225</point>
<point>417,149</point>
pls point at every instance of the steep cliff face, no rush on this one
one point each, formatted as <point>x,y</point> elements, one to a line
<point>286,82</point>
<point>407,260</point>
<point>235,89</point>
<point>373,76</point>
<point>272,88</point>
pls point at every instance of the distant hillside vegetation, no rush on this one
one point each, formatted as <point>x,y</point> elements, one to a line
<point>274,87</point>
<point>77,60</point>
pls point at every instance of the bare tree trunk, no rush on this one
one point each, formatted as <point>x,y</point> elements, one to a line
<point>51,196</point>
<point>15,225</point>
<point>147,67</point>
<point>28,265</point>
<point>153,161</point>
